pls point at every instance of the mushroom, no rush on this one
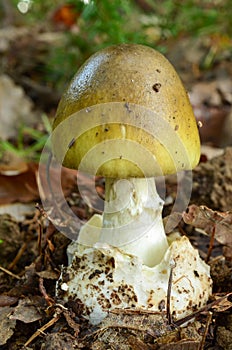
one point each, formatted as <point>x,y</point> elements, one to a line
<point>126,116</point>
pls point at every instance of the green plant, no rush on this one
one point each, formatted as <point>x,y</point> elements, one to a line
<point>193,17</point>
<point>101,23</point>
<point>29,143</point>
<point>105,22</point>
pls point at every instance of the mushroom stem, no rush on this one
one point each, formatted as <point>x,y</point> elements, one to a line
<point>132,219</point>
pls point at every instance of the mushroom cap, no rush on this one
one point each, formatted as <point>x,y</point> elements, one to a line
<point>126,114</point>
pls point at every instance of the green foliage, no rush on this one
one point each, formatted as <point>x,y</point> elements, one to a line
<point>194,17</point>
<point>105,22</point>
<point>110,22</point>
<point>101,23</point>
<point>29,143</point>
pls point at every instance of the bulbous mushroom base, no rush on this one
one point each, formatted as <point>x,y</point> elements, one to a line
<point>104,278</point>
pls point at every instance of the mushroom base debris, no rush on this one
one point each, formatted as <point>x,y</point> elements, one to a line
<point>103,278</point>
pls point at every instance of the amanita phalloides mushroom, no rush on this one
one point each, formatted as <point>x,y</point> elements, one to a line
<point>126,116</point>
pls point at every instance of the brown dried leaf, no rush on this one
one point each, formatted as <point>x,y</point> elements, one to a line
<point>137,344</point>
<point>210,220</point>
<point>224,303</point>
<point>152,323</point>
<point>181,345</point>
<point>6,300</point>
<point>7,325</point>
<point>126,329</point>
<point>48,274</point>
<point>210,110</point>
<point>23,187</point>
<point>19,188</point>
<point>10,165</point>
<point>27,310</point>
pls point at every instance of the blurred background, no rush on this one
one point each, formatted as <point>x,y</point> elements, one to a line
<point>43,43</point>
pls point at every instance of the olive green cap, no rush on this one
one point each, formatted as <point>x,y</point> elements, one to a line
<point>126,114</point>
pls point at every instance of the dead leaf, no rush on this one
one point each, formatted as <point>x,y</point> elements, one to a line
<point>142,329</point>
<point>210,109</point>
<point>137,344</point>
<point>48,274</point>
<point>181,345</point>
<point>208,220</point>
<point>65,16</point>
<point>6,300</point>
<point>27,310</point>
<point>10,164</point>
<point>23,187</point>
<point>211,152</point>
<point>7,325</point>
<point>224,303</point>
<point>19,188</point>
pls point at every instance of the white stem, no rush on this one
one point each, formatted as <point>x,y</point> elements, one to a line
<point>132,219</point>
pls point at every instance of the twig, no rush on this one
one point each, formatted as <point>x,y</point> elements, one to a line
<point>183,320</point>
<point>134,311</point>
<point>40,239</point>
<point>18,256</point>
<point>42,329</point>
<point>71,322</point>
<point>9,273</point>
<point>208,321</point>
<point>42,289</point>
<point>211,244</point>
<point>41,210</point>
<point>169,315</point>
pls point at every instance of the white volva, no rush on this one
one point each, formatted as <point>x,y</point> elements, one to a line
<point>122,259</point>
<point>103,278</point>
